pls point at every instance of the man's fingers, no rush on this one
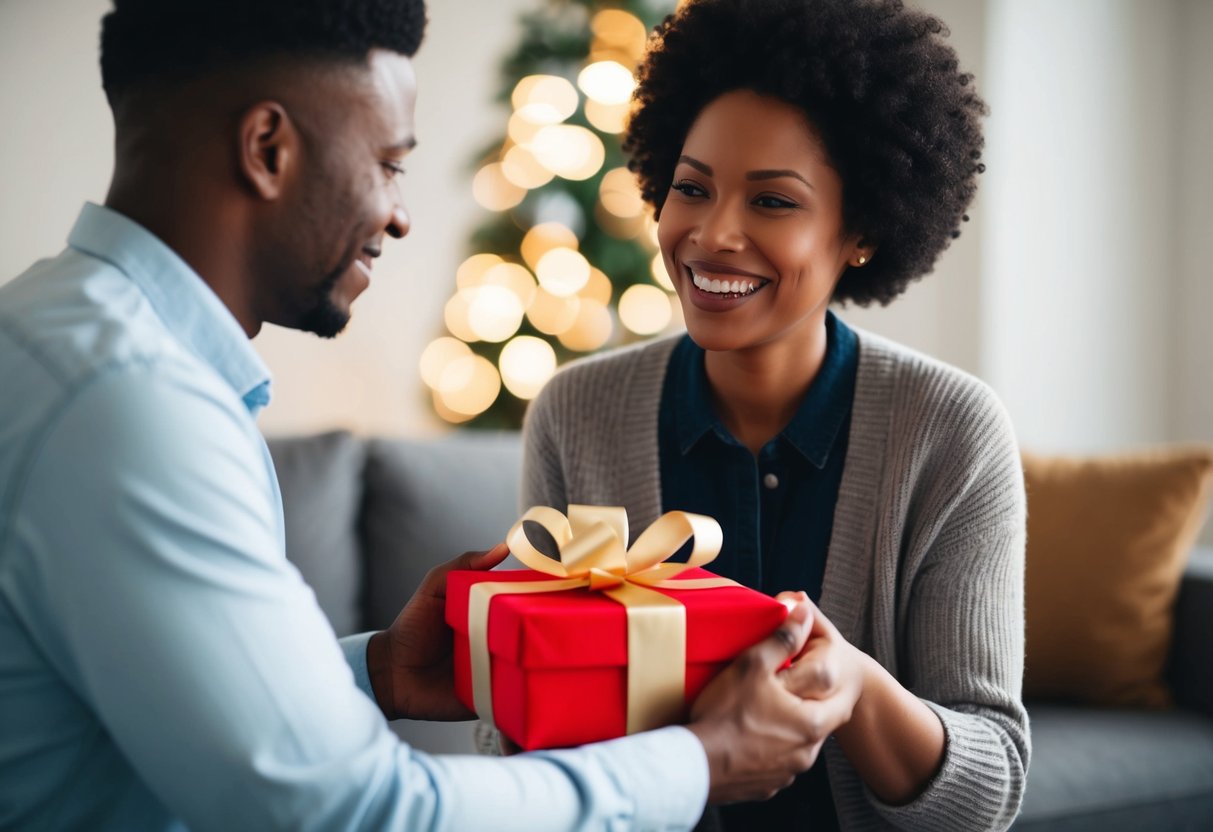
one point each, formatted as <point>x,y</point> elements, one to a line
<point>435,579</point>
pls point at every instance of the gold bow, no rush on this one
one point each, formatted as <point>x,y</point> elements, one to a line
<point>593,554</point>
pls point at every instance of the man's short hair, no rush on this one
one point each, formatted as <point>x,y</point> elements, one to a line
<point>173,41</point>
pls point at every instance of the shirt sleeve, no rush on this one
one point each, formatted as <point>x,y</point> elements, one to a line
<point>199,648</point>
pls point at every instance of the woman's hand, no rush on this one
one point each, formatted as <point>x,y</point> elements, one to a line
<point>892,738</point>
<point>829,667</point>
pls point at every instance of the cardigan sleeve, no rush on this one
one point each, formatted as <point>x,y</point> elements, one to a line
<point>543,482</point>
<point>960,613</point>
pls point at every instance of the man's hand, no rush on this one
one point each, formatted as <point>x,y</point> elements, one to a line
<point>757,733</point>
<point>411,665</point>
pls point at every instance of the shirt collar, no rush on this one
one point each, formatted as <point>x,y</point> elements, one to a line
<point>190,310</point>
<point>819,419</point>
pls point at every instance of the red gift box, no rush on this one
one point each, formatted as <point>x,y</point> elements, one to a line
<point>559,660</point>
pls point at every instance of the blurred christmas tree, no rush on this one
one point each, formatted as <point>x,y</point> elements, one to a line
<point>567,263</point>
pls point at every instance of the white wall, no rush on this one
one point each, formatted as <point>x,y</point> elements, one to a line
<point>1081,289</point>
<point>938,314</point>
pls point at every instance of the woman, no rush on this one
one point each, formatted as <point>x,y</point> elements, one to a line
<point>798,152</point>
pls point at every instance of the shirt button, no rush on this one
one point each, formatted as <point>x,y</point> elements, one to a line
<point>771,481</point>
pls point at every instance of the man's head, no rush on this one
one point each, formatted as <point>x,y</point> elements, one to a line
<point>277,127</point>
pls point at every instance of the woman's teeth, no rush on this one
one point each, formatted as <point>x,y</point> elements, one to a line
<point>724,287</point>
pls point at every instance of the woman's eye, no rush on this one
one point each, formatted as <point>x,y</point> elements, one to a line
<point>688,189</point>
<point>767,201</point>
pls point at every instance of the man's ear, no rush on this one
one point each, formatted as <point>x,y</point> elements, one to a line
<point>268,148</point>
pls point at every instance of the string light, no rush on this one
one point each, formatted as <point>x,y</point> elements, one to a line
<point>552,314</point>
<point>609,118</point>
<point>660,274</point>
<point>569,151</point>
<point>471,271</point>
<point>455,315</point>
<point>644,309</point>
<point>620,193</point>
<point>607,82</point>
<point>494,313</point>
<point>544,99</point>
<point>563,271</point>
<point>521,168</point>
<point>469,385</point>
<point>438,355</point>
<point>526,365</point>
<point>617,30</point>
<point>493,191</point>
<point>591,329</point>
<point>544,237</point>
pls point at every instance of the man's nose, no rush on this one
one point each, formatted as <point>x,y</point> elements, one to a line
<point>398,221</point>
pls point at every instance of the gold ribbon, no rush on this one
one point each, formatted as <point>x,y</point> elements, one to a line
<point>592,542</point>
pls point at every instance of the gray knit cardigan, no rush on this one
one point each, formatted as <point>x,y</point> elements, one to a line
<point>925,570</point>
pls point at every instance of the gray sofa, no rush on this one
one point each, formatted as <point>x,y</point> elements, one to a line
<point>367,518</point>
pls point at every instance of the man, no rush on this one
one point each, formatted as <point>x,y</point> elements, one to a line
<point>161,663</point>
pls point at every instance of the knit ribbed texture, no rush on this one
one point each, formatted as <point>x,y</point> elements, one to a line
<point>925,570</point>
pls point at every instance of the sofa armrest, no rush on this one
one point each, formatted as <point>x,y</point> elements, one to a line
<point>1190,668</point>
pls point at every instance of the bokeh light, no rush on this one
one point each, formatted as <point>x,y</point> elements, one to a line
<point>644,309</point>
<point>455,315</point>
<point>597,288</point>
<point>607,82</point>
<point>513,277</point>
<point>526,365</point>
<point>542,238</point>
<point>563,271</point>
<point>591,329</point>
<point>569,151</point>
<point>552,314</point>
<point>660,274</point>
<point>493,191</point>
<point>520,167</point>
<point>544,99</point>
<point>438,355</point>
<point>471,271</point>
<point>620,193</point>
<point>609,118</point>
<point>469,385</point>
<point>494,313</point>
<point>618,30</point>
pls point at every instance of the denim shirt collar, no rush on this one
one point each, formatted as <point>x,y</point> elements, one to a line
<point>185,303</point>
<point>817,422</point>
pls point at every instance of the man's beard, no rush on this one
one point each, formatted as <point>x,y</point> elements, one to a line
<point>323,317</point>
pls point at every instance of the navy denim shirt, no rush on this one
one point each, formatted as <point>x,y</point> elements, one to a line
<point>776,510</point>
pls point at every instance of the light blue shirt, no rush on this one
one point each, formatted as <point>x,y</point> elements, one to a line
<point>161,663</point>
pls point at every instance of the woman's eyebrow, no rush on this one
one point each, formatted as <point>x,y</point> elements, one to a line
<point>777,174</point>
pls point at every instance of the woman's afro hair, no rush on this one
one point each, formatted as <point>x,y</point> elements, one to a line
<point>900,122</point>
<point>146,41</point>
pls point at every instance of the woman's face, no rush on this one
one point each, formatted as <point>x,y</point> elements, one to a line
<point>752,231</point>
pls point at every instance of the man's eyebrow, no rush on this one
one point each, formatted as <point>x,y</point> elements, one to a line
<point>776,174</point>
<point>402,145</point>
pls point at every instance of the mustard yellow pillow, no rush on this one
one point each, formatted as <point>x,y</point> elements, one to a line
<point>1108,538</point>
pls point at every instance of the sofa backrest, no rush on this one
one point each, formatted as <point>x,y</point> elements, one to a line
<point>366,519</point>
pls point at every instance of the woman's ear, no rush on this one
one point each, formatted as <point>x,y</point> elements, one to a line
<point>268,148</point>
<point>863,253</point>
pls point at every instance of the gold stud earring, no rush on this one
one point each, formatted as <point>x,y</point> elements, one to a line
<point>862,259</point>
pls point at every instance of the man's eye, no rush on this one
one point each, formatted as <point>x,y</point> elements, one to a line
<point>394,169</point>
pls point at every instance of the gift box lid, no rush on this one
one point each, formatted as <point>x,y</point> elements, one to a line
<point>582,628</point>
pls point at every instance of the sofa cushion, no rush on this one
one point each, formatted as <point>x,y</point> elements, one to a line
<point>428,501</point>
<point>1107,542</point>
<point>1118,770</point>
<point>321,481</point>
